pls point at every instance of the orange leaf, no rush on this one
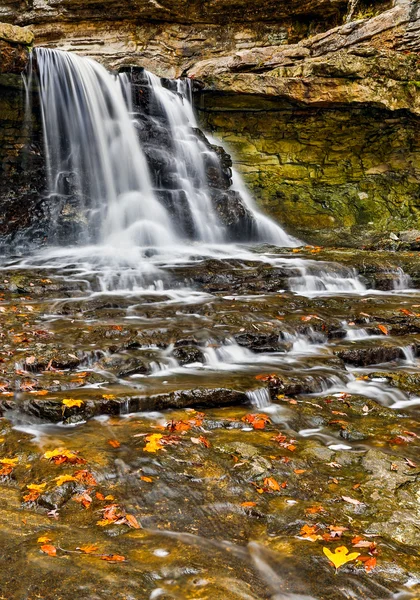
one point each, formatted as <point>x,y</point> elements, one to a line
<point>49,549</point>
<point>383,329</point>
<point>148,479</point>
<point>271,484</point>
<point>113,558</point>
<point>258,421</point>
<point>248,504</point>
<point>132,521</point>
<point>114,443</point>
<point>299,471</point>
<point>88,549</point>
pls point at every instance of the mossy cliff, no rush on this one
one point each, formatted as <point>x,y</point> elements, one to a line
<point>326,132</point>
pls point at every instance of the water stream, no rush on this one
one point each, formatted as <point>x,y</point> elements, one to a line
<point>154,307</point>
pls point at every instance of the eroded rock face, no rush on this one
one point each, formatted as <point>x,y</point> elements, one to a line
<point>325,131</point>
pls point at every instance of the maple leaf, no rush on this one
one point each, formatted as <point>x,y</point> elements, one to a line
<point>309,533</point>
<point>62,479</point>
<point>62,455</point>
<point>70,403</point>
<point>314,510</point>
<point>49,549</point>
<point>153,442</point>
<point>32,496</point>
<point>341,556</point>
<point>258,421</point>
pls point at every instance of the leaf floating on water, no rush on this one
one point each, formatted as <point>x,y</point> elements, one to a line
<point>340,557</point>
<point>43,539</point>
<point>49,549</point>
<point>113,558</point>
<point>153,442</point>
<point>114,443</point>
<point>258,420</point>
<point>70,402</point>
<point>85,477</point>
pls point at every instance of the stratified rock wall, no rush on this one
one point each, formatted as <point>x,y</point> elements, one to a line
<point>326,131</point>
<point>22,174</point>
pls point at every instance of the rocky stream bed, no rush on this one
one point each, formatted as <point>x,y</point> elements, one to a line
<point>210,434</point>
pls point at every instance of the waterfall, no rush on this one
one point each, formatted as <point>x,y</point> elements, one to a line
<point>99,173</point>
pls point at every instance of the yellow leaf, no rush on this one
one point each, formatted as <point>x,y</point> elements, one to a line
<point>43,539</point>
<point>37,487</point>
<point>9,461</point>
<point>340,557</point>
<point>153,443</point>
<point>148,479</point>
<point>64,479</point>
<point>108,396</point>
<point>69,402</point>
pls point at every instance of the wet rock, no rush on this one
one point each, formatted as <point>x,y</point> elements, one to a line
<point>186,355</point>
<point>57,497</point>
<point>363,357</point>
<point>259,342</point>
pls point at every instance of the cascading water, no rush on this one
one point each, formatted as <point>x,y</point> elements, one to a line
<point>95,159</point>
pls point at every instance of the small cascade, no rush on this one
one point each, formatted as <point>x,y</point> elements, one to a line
<point>401,280</point>
<point>325,278</point>
<point>260,398</point>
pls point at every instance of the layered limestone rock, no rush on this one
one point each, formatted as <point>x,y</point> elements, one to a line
<point>326,131</point>
<point>21,156</point>
<point>170,36</point>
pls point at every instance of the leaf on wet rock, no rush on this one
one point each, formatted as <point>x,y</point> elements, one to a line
<point>71,403</point>
<point>369,562</point>
<point>62,479</point>
<point>153,442</point>
<point>410,463</point>
<point>340,556</point>
<point>309,532</point>
<point>258,420</point>
<point>113,558</point>
<point>62,455</point>
<point>248,504</point>
<point>49,549</point>
<point>299,471</point>
<point>132,521</point>
<point>147,479</point>
<point>38,487</point>
<point>313,510</point>
<point>12,462</point>
<point>351,500</point>
<point>86,477</point>
<point>84,499</point>
<point>383,329</point>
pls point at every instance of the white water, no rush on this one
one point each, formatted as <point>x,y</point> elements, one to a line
<point>93,153</point>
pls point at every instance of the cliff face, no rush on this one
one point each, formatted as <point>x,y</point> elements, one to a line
<point>326,131</point>
<point>21,152</point>
<point>319,100</point>
<point>169,36</point>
